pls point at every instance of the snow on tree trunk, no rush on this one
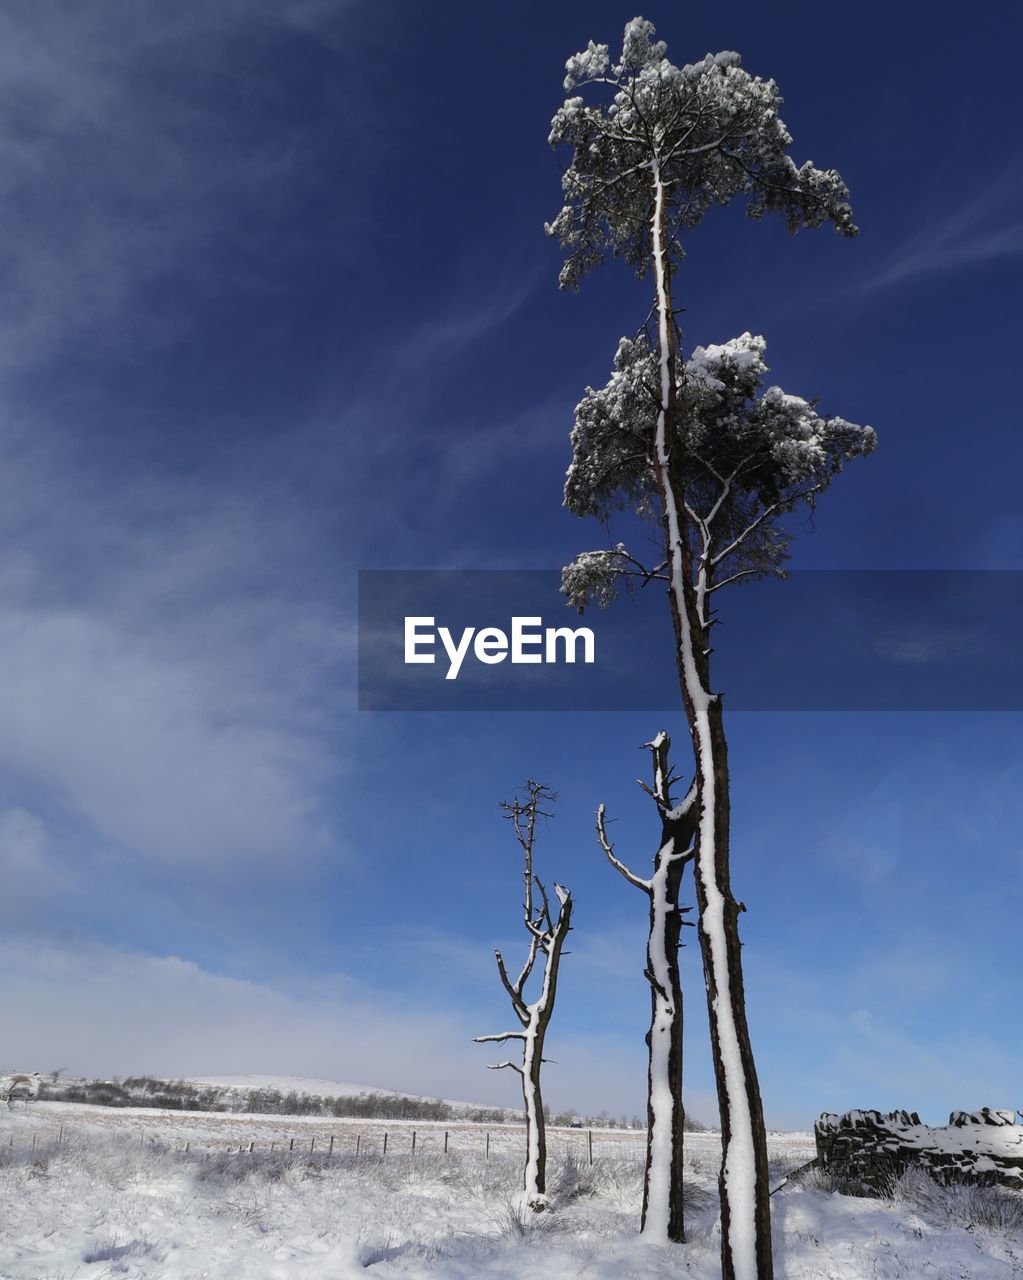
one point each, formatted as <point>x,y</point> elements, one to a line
<point>663,1214</point>
<point>547,940</point>
<point>534,1184</point>
<point>743,1183</point>
<point>726,464</point>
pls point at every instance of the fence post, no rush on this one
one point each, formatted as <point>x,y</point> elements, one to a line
<point>331,1151</point>
<point>312,1144</point>
<point>187,1145</point>
<point>252,1147</point>
<point>60,1136</point>
<point>488,1147</point>
<point>292,1147</point>
<point>33,1142</point>
<point>358,1144</point>
<point>413,1143</point>
<point>445,1141</point>
<point>272,1145</point>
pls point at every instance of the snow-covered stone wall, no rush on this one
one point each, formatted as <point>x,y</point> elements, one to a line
<point>985,1145</point>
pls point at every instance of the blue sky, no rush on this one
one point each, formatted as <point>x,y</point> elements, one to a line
<point>277,306</point>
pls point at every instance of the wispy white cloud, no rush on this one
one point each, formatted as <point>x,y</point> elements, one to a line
<point>38,885</point>
<point>175,645</point>
<point>884,1028</point>
<point>169,665</point>
<point>124,158</point>
<point>100,1010</point>
<point>883,1057</point>
<point>925,645</point>
<point>983,228</point>
<point>136,747</point>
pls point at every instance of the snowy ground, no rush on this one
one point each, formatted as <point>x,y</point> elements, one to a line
<point>121,1196</point>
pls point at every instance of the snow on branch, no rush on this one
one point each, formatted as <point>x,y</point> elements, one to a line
<point>745,454</point>
<point>609,853</point>
<point>678,820</point>
<point>593,577</point>
<point>708,132</point>
<point>514,989</point>
<point>547,932</point>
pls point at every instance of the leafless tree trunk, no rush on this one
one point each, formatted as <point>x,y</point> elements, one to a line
<point>547,935</point>
<point>663,1215</point>
<point>744,1187</point>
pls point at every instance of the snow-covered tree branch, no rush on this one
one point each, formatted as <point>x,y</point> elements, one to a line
<point>709,131</point>
<point>744,456</point>
<point>547,934</point>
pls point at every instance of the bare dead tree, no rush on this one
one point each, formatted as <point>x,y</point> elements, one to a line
<point>547,934</point>
<point>663,1215</point>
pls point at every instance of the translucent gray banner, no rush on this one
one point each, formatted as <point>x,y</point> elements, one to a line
<point>454,640</point>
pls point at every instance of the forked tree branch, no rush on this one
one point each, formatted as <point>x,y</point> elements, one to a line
<point>609,853</point>
<point>514,992</point>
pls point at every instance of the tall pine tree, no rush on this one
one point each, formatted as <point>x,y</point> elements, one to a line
<point>653,147</point>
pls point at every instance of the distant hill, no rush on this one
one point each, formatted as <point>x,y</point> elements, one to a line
<point>261,1094</point>
<point>306,1086</point>
<point>266,1095</point>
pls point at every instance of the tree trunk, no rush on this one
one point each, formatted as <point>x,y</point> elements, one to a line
<point>744,1189</point>
<point>663,1214</point>
<point>534,1182</point>
<point>744,1184</point>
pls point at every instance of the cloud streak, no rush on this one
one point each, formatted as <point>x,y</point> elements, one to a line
<point>981,230</point>
<point>126,157</point>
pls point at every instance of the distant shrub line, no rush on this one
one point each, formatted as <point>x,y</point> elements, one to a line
<point>183,1095</point>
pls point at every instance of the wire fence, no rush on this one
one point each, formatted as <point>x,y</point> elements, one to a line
<point>433,1149</point>
<point>584,1145</point>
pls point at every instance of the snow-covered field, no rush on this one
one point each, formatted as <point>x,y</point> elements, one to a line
<point>139,1194</point>
<point>292,1084</point>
